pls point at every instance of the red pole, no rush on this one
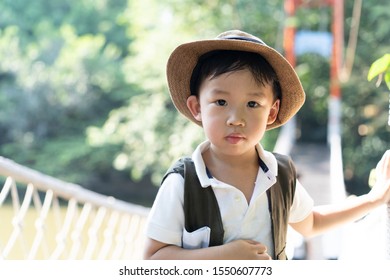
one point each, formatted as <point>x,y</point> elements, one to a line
<point>289,31</point>
<point>338,43</point>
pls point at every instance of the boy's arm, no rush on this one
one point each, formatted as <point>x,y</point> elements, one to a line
<point>238,249</point>
<point>326,217</point>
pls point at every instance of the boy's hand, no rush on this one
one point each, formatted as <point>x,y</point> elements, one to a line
<point>381,189</point>
<point>246,250</point>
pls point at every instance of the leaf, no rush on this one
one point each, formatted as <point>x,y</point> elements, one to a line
<point>379,66</point>
<point>387,79</point>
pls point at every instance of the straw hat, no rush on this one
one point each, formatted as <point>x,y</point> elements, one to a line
<point>185,57</point>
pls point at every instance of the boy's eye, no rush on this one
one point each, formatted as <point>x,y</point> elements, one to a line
<point>253,104</point>
<point>220,102</point>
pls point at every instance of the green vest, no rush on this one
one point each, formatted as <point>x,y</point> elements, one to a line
<point>201,206</point>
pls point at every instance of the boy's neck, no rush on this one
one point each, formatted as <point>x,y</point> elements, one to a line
<point>213,158</point>
<point>238,171</point>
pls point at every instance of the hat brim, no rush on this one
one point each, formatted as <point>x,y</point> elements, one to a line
<point>185,57</point>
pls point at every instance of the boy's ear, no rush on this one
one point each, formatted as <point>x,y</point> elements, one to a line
<point>194,107</point>
<point>273,113</point>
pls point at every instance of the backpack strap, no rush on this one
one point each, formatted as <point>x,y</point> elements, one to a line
<point>200,204</point>
<point>280,200</point>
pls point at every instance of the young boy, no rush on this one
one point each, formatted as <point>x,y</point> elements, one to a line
<point>236,88</point>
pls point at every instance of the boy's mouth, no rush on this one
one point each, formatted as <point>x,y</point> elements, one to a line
<point>234,138</point>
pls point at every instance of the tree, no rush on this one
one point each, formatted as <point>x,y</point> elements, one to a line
<point>58,75</point>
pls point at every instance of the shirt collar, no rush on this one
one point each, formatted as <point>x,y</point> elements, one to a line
<point>267,162</point>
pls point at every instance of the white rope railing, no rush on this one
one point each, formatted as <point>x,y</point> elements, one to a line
<point>60,220</point>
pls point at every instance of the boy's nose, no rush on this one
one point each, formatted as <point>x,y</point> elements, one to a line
<point>236,118</point>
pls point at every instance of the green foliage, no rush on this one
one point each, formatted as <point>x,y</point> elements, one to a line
<point>380,68</point>
<point>313,71</point>
<point>365,107</point>
<point>56,79</point>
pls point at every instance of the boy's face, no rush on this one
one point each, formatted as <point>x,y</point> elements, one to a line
<point>234,111</point>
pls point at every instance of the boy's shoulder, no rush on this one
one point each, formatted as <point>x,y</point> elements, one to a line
<point>284,160</point>
<point>178,167</point>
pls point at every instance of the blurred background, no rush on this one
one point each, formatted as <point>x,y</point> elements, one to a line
<point>83,94</point>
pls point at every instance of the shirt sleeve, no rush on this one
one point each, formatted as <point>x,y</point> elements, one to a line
<point>166,218</point>
<point>302,205</point>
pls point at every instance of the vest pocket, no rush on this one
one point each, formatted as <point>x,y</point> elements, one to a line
<point>197,239</point>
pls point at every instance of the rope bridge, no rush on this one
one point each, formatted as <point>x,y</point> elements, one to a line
<point>46,218</point>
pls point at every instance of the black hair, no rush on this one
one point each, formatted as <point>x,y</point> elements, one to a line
<point>218,62</point>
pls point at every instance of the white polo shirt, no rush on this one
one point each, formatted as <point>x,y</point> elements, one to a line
<point>240,219</point>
